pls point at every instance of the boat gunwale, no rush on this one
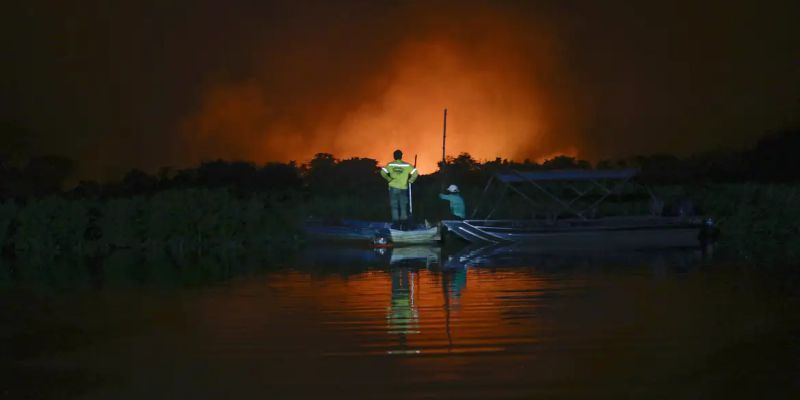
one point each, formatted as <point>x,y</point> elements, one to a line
<point>478,231</point>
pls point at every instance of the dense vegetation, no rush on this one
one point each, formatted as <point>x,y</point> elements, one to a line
<point>225,207</point>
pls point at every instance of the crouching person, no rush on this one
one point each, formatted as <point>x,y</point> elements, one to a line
<point>457,208</point>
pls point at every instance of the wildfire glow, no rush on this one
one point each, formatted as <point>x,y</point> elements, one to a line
<point>496,108</point>
<point>486,116</point>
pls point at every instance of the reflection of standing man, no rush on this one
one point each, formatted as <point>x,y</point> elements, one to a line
<point>399,174</point>
<point>403,316</point>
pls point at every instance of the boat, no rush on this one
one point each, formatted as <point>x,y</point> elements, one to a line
<point>380,233</point>
<point>600,233</point>
<point>570,223</point>
<point>415,236</point>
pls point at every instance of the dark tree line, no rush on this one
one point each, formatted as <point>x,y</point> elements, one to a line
<point>773,159</point>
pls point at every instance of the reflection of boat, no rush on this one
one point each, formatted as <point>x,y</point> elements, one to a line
<point>572,199</point>
<point>411,254</point>
<point>338,255</point>
<point>367,231</point>
<point>354,255</point>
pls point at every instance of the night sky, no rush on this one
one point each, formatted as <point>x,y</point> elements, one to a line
<point>145,84</point>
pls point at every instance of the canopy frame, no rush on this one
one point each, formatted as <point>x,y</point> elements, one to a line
<point>606,182</point>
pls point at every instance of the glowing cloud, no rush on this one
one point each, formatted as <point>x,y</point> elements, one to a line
<point>487,75</point>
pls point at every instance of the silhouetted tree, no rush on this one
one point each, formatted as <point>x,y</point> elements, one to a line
<point>137,181</point>
<point>464,162</point>
<point>47,174</point>
<point>219,173</point>
<point>716,166</point>
<point>660,168</point>
<point>279,176</point>
<point>776,157</point>
<point>605,164</point>
<point>358,175</point>
<point>183,178</point>
<point>320,173</point>
<point>565,162</point>
<point>87,189</point>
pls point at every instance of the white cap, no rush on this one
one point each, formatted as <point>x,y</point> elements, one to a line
<point>452,188</point>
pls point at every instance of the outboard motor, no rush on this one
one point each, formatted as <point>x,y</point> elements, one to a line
<point>709,232</point>
<point>684,208</point>
<point>381,240</point>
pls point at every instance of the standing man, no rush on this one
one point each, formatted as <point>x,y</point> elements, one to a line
<point>399,174</point>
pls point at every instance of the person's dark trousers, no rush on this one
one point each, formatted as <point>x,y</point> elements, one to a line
<point>398,201</point>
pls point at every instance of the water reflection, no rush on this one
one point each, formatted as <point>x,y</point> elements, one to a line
<point>424,311</point>
<point>435,258</point>
<point>403,315</point>
<point>416,322</point>
<point>422,256</point>
<point>137,269</point>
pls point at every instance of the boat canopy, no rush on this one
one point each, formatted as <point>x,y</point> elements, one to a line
<point>555,187</point>
<point>567,175</point>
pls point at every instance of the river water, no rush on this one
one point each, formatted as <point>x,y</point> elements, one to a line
<point>344,322</point>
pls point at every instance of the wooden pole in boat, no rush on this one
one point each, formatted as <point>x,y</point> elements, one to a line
<point>444,135</point>
<point>444,140</point>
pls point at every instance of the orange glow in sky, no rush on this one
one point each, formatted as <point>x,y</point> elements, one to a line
<point>491,92</point>
<point>487,117</point>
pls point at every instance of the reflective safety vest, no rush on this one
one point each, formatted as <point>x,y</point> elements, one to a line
<point>399,174</point>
